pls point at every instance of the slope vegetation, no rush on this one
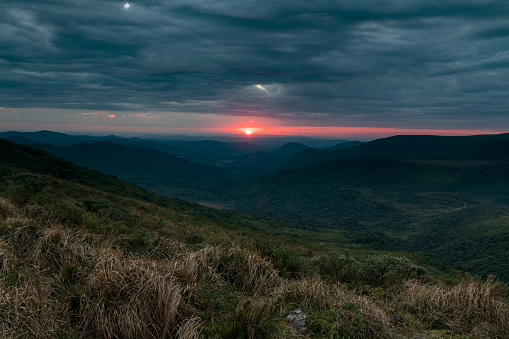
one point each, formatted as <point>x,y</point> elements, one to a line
<point>83,254</point>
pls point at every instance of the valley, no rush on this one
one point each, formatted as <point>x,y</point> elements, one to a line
<point>441,196</point>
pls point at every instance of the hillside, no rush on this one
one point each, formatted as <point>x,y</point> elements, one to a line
<point>83,254</point>
<point>477,147</point>
<point>456,210</point>
<point>151,169</point>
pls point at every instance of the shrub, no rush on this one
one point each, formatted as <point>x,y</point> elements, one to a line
<point>384,270</point>
<point>94,204</point>
<point>218,299</point>
<point>334,310</point>
<point>68,214</point>
<point>193,238</point>
<point>339,268</point>
<point>251,320</point>
<point>288,261</point>
<point>24,188</point>
<point>344,321</point>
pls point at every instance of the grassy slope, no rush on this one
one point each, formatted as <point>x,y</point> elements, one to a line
<point>86,255</point>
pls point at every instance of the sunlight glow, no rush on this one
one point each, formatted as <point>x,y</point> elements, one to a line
<point>127,5</point>
<point>249,130</point>
<point>261,87</point>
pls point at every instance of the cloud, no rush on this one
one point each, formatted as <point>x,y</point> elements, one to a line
<point>349,62</point>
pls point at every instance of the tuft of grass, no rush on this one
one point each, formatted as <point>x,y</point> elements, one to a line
<point>190,328</point>
<point>130,298</point>
<point>6,256</point>
<point>58,247</point>
<point>333,309</point>
<point>242,267</point>
<point>470,308</point>
<point>21,236</point>
<point>28,309</point>
<point>7,209</point>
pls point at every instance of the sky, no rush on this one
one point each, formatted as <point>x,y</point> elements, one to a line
<point>342,68</point>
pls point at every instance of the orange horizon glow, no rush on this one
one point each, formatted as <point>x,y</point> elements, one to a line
<point>309,131</point>
<point>363,132</point>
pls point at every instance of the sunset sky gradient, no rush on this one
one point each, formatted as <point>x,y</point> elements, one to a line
<point>337,68</point>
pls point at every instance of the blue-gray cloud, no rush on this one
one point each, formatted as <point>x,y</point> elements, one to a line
<point>413,62</point>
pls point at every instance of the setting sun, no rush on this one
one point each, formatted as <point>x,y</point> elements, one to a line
<point>249,132</point>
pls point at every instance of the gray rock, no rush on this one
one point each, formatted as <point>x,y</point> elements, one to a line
<point>297,320</point>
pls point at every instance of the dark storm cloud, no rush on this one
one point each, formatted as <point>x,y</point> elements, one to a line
<point>375,62</point>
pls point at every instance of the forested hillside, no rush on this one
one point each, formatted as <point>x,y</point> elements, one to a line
<point>456,210</point>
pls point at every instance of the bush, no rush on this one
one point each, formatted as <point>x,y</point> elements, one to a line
<point>68,214</point>
<point>384,270</point>
<point>343,321</point>
<point>339,268</point>
<point>33,184</point>
<point>251,320</point>
<point>94,204</point>
<point>24,187</point>
<point>218,299</point>
<point>289,262</point>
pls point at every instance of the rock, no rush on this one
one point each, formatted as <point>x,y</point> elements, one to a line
<point>297,320</point>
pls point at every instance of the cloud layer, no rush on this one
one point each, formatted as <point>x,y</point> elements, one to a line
<point>395,63</point>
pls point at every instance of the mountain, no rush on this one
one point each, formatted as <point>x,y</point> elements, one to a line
<point>477,147</point>
<point>432,147</point>
<point>289,149</point>
<point>151,169</point>
<point>43,137</point>
<point>346,144</point>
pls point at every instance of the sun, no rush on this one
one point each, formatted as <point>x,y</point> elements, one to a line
<point>248,132</point>
<point>127,5</point>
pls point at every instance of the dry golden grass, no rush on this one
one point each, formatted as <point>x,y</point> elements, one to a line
<point>470,307</point>
<point>57,247</point>
<point>165,248</point>
<point>21,235</point>
<point>7,209</point>
<point>244,268</point>
<point>130,298</point>
<point>190,328</point>
<point>27,309</point>
<point>6,256</point>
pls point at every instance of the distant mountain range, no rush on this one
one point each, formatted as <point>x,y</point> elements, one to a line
<point>170,162</point>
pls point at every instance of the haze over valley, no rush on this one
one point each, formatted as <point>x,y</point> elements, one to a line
<point>443,196</point>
